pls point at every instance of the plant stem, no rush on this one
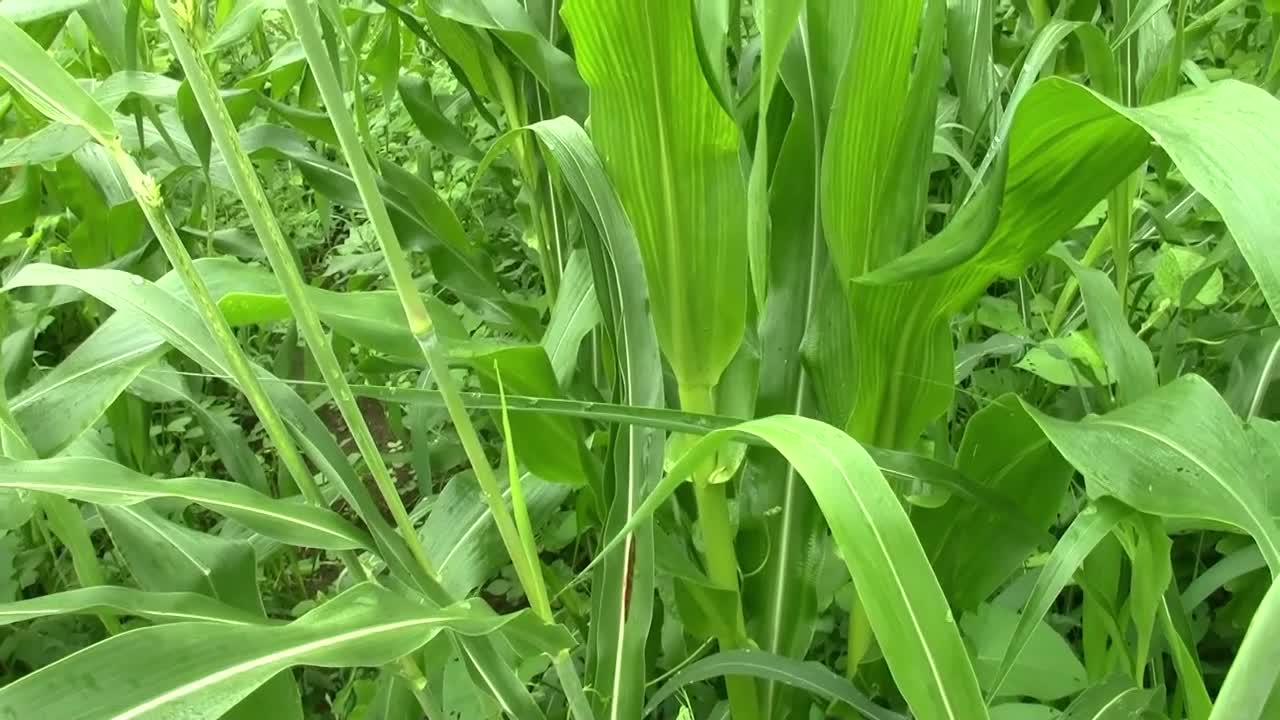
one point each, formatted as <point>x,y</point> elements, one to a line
<point>415,310</point>
<point>720,557</point>
<point>287,273</point>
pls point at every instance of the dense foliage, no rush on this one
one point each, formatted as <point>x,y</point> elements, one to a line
<point>764,359</point>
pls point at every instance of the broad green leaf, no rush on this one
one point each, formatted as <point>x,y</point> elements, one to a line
<point>1177,453</point>
<point>35,74</point>
<point>808,676</point>
<point>1175,625</point>
<point>1068,147</point>
<point>459,535</point>
<point>781,601</point>
<point>1236,564</point>
<point>106,483</point>
<point>552,448</point>
<point>672,154</point>
<point>1145,541</point>
<point>165,557</point>
<point>372,319</point>
<point>906,609</point>
<point>74,395</point>
<point>777,21</point>
<point>511,24</point>
<point>872,109</point>
<point>201,669</point>
<point>419,215</point>
<point>1004,451</point>
<point>1046,668</point>
<point>149,314</point>
<point>154,606</point>
<point>420,103</point>
<point>162,383</point>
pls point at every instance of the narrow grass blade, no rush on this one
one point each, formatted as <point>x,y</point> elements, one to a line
<point>1089,527</point>
<point>154,606</point>
<point>808,676</point>
<point>106,483</point>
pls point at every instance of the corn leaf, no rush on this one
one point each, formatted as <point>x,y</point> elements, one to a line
<point>201,669</point>
<point>672,154</point>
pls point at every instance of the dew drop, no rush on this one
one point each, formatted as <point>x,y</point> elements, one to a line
<point>137,280</point>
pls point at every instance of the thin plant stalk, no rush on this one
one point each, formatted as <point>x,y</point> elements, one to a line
<point>719,553</point>
<point>290,277</point>
<point>416,312</point>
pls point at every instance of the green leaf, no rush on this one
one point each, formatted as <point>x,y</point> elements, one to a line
<point>781,600</point>
<point>201,669</point>
<point>1113,699</point>
<point>872,108</point>
<point>897,589</point>
<point>1088,528</point>
<point>154,606</point>
<point>106,483</point>
<point>624,587</point>
<point>808,676</point>
<point>1031,481</point>
<point>672,154</point>
<point>27,11</point>
<point>162,383</point>
<point>777,21</point>
<point>510,23</point>
<point>74,395</point>
<point>1046,668</point>
<point>1177,453</point>
<point>35,74</point>
<point>550,447</point>
<point>969,38</point>
<point>1128,358</point>
<point>575,314</point>
<point>420,103</point>
<point>459,534</point>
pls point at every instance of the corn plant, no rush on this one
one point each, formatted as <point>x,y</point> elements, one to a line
<point>764,359</point>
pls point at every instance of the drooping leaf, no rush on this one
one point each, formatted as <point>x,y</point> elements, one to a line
<point>809,676</point>
<point>1177,453</point>
<point>106,483</point>
<point>155,606</point>
<point>201,669</point>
